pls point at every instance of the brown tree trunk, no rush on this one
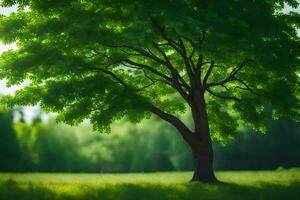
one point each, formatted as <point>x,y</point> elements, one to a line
<point>201,145</point>
<point>203,162</point>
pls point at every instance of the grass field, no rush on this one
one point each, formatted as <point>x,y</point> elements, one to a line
<point>280,184</point>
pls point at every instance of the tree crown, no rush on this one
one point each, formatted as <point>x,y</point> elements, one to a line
<point>104,60</point>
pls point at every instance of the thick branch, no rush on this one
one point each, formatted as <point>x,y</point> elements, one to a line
<point>177,123</point>
<point>187,63</point>
<point>198,67</point>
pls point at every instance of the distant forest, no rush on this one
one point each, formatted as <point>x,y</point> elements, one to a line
<point>148,146</point>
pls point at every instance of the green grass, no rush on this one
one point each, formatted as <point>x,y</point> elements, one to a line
<point>280,184</point>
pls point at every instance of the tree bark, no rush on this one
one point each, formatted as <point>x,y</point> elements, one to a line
<point>202,145</point>
<point>203,162</point>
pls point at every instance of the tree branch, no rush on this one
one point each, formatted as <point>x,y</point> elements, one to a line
<point>180,126</point>
<point>187,63</point>
<point>148,68</point>
<point>168,63</point>
<point>231,75</point>
<point>173,82</point>
<point>160,61</point>
<point>198,69</point>
<point>175,74</point>
<point>173,70</point>
<point>141,51</point>
<point>247,87</point>
<point>161,30</point>
<point>222,96</point>
<point>107,72</point>
<point>157,80</point>
<point>205,79</point>
<point>146,86</point>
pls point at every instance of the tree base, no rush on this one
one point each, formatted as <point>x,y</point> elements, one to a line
<point>212,181</point>
<point>207,180</point>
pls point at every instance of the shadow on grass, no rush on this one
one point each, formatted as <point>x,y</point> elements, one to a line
<point>189,191</point>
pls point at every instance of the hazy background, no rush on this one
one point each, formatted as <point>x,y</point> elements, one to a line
<point>149,146</point>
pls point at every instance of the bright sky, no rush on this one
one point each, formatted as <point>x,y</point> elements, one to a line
<point>3,88</point>
<point>29,111</point>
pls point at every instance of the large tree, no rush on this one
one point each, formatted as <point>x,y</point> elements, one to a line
<point>104,60</point>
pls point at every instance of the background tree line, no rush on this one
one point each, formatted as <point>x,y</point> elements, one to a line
<point>148,146</point>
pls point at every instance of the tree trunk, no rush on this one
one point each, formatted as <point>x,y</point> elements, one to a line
<point>201,145</point>
<point>199,140</point>
<point>203,162</point>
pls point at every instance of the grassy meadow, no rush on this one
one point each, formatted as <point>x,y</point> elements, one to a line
<point>279,184</point>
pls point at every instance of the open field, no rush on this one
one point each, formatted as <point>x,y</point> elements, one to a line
<point>280,184</point>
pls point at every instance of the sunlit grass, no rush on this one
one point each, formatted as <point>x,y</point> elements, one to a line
<point>280,184</point>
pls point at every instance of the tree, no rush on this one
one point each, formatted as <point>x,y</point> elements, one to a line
<point>104,60</point>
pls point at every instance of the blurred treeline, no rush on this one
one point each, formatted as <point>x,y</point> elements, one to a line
<point>148,146</point>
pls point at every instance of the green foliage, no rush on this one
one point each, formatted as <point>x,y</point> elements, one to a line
<point>69,49</point>
<point>53,147</point>
<point>10,151</point>
<point>252,151</point>
<point>47,149</point>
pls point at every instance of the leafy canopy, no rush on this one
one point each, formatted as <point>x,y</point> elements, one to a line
<point>107,59</point>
